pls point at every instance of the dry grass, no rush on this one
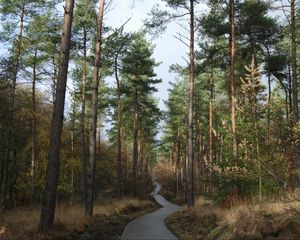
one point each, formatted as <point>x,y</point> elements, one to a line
<point>120,207</point>
<point>19,222</point>
<point>23,223</point>
<point>273,220</point>
<point>270,220</point>
<point>194,223</point>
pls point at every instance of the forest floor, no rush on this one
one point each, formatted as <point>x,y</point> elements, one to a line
<point>206,221</point>
<point>108,222</point>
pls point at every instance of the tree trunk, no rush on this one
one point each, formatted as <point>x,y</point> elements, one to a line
<point>4,177</point>
<point>295,113</point>
<point>50,194</point>
<point>269,105</point>
<point>294,63</point>
<point>146,168</point>
<point>54,78</point>
<point>119,140</point>
<point>255,125</point>
<point>33,130</point>
<point>190,161</point>
<point>33,127</point>
<point>93,127</point>
<point>83,149</point>
<point>211,111</point>
<point>178,155</point>
<point>135,144</point>
<point>72,151</point>
<point>290,96</point>
<point>232,80</point>
<point>142,142</point>
<point>10,126</point>
<point>125,162</point>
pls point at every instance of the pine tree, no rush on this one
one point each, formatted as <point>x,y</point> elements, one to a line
<point>138,72</point>
<point>94,113</point>
<point>48,208</point>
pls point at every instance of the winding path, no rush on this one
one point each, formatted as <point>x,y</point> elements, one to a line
<point>152,226</point>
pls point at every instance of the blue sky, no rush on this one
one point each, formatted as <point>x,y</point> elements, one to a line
<point>168,50</point>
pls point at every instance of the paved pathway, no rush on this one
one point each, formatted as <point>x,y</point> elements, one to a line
<point>152,226</point>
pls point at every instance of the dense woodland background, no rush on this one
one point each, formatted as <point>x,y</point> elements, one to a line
<point>231,125</point>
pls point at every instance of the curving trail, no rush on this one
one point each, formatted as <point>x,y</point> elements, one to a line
<point>152,226</point>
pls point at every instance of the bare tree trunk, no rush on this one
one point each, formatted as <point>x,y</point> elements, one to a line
<point>135,144</point>
<point>211,112</point>
<point>295,112</point>
<point>93,130</point>
<point>119,157</point>
<point>290,96</point>
<point>269,105</point>
<point>54,79</point>
<point>178,155</point>
<point>3,150</point>
<point>146,167</point>
<point>4,177</point>
<point>50,194</point>
<point>294,63</point>
<point>125,162</point>
<point>83,149</point>
<point>286,103</point>
<point>232,79</point>
<point>33,133</point>
<point>142,142</point>
<point>33,125</point>
<point>12,203</point>
<point>72,152</point>
<point>190,160</point>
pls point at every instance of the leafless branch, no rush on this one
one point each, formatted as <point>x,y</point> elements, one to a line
<point>179,38</point>
<point>181,25</point>
<point>187,62</point>
<point>108,8</point>
<point>285,14</point>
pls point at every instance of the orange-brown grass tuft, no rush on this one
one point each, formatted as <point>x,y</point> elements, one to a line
<point>22,223</point>
<point>276,220</point>
<point>194,223</point>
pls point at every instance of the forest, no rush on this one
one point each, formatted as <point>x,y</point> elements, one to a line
<point>84,138</point>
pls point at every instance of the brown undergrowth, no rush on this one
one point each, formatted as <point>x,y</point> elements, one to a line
<point>270,220</point>
<point>70,222</point>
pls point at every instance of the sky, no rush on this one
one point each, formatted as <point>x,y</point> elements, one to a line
<point>168,50</point>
